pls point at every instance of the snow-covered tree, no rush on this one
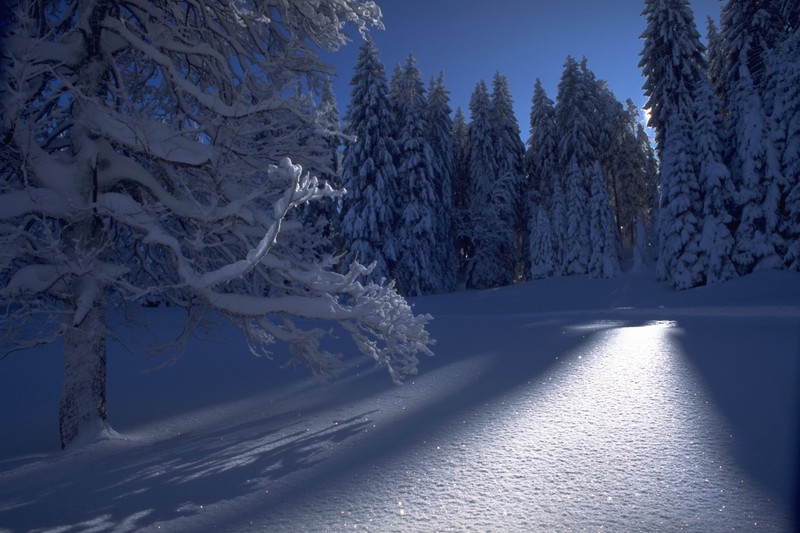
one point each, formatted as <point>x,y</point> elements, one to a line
<point>482,171</point>
<point>576,249</point>
<point>461,188</point>
<point>673,61</point>
<point>541,246</point>
<point>603,235</point>
<point>680,223</point>
<point>716,187</point>
<point>417,270</point>
<point>749,33</point>
<point>509,153</point>
<point>369,210</point>
<point>630,174</point>
<point>577,156</point>
<point>440,137</point>
<point>558,224</point>
<point>136,166</point>
<point>640,245</point>
<point>750,29</point>
<point>757,175</point>
<point>784,71</point>
<point>324,161</point>
<point>544,196</point>
<point>714,56</point>
<point>491,202</point>
<point>541,155</point>
<point>395,90</point>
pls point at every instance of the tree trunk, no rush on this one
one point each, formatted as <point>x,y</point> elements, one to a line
<point>82,411</point>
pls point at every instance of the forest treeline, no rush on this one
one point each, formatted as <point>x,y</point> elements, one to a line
<point>438,201</point>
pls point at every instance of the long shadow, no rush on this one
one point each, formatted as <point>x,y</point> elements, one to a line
<point>175,478</point>
<point>185,475</point>
<point>755,384</point>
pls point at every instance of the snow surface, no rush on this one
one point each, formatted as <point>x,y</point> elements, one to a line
<point>562,404</point>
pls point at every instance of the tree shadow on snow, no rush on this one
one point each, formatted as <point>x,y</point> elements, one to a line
<point>128,485</point>
<point>755,385</point>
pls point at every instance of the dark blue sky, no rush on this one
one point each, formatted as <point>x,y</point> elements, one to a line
<point>470,40</point>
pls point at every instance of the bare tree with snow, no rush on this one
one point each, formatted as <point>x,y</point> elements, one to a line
<point>140,140</point>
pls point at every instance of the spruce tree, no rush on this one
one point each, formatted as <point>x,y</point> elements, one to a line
<point>603,235</point>
<point>440,138</point>
<point>576,151</point>
<point>541,155</point>
<point>679,224</point>
<point>491,234</point>
<point>717,240</point>
<point>576,251</point>
<point>509,153</point>
<point>757,176</point>
<point>546,208</point>
<point>461,188</point>
<point>749,33</point>
<point>418,270</point>
<point>369,209</point>
<point>558,225</point>
<point>785,70</point>
<point>323,214</point>
<point>628,166</point>
<point>542,250</point>
<point>673,61</point>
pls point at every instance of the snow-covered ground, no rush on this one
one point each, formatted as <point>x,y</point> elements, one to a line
<point>566,404</point>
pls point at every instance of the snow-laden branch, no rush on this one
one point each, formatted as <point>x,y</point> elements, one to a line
<point>176,77</point>
<point>148,136</point>
<point>303,188</point>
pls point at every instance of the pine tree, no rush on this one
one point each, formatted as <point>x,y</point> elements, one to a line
<point>714,57</point>
<point>785,71</point>
<point>395,91</point>
<point>369,210</point>
<point>461,188</point>
<point>482,171</point>
<point>782,105</point>
<point>576,247</point>
<point>541,156</point>
<point>673,59</point>
<point>418,270</point>
<point>491,235</point>
<point>509,153</point>
<point>717,241</point>
<point>757,176</point>
<point>576,151</point>
<point>673,62</point>
<point>603,235</point>
<point>542,169</point>
<point>542,250</point>
<point>327,165</point>
<point>558,225</point>
<point>680,225</point>
<point>440,137</point>
<point>628,165</point>
<point>750,31</point>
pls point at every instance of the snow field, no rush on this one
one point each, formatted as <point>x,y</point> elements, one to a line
<point>625,406</point>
